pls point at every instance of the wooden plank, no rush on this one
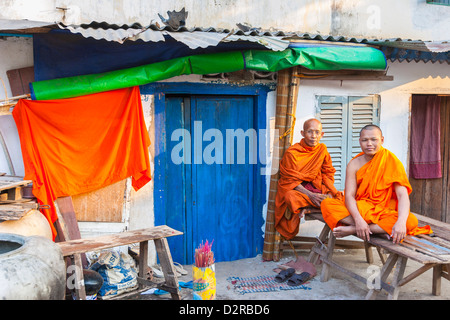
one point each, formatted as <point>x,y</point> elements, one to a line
<point>65,207</point>
<point>19,80</point>
<point>416,196</point>
<point>426,245</point>
<point>15,211</point>
<point>12,213</point>
<point>109,241</point>
<point>439,241</point>
<point>440,228</point>
<point>343,75</point>
<point>432,198</point>
<point>425,252</point>
<point>102,205</point>
<point>404,251</point>
<point>9,182</point>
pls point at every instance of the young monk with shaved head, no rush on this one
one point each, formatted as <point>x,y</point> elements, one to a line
<point>306,179</point>
<point>376,194</point>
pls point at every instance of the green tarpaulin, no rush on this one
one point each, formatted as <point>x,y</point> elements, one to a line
<point>313,58</point>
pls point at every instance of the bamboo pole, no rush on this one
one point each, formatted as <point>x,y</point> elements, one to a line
<point>23,96</point>
<point>286,101</point>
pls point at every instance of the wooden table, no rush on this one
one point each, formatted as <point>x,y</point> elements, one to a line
<point>158,234</point>
<point>431,252</point>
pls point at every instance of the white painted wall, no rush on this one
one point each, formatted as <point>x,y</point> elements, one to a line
<point>15,52</point>
<point>351,18</point>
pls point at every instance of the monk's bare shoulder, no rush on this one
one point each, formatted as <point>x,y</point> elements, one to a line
<point>355,164</point>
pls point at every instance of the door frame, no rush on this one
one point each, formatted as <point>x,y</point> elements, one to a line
<point>159,90</point>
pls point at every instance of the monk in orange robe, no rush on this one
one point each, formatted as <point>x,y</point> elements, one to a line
<point>306,179</point>
<point>376,194</point>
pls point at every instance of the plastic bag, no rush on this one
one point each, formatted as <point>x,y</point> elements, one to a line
<point>118,271</point>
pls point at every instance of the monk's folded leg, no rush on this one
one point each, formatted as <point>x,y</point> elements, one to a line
<point>333,211</point>
<point>296,200</point>
<point>388,218</point>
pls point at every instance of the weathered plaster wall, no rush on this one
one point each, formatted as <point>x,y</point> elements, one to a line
<point>15,53</point>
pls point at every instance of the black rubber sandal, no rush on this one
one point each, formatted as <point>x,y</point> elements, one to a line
<point>284,275</point>
<point>298,279</point>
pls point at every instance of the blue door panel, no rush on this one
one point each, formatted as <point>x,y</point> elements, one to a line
<point>211,197</point>
<point>222,192</point>
<point>174,182</point>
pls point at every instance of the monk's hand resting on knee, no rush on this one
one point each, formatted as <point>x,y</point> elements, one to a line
<point>362,229</point>
<point>398,232</point>
<point>317,198</point>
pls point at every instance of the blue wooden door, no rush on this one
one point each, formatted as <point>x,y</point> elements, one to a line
<point>211,175</point>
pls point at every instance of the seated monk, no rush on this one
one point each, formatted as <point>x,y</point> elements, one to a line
<point>376,194</point>
<point>306,178</point>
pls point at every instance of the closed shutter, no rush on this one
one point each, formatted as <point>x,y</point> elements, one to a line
<point>342,119</point>
<point>362,111</point>
<point>332,112</point>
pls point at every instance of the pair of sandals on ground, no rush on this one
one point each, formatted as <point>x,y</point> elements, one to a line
<point>293,279</point>
<point>296,272</point>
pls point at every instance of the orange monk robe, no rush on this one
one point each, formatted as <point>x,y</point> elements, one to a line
<point>301,163</point>
<point>77,145</point>
<point>375,195</point>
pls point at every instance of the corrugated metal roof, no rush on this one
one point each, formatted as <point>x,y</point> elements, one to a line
<point>399,54</point>
<point>197,37</point>
<point>203,37</point>
<point>25,26</point>
<point>193,38</point>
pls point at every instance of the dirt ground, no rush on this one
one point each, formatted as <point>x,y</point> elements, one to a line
<point>339,287</point>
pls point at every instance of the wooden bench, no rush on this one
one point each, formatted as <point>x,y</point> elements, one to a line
<point>430,252</point>
<point>158,234</point>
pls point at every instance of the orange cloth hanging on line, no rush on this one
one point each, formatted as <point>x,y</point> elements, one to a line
<point>77,145</point>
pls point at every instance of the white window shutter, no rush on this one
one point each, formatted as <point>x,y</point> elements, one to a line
<point>362,111</point>
<point>332,112</point>
<point>342,119</point>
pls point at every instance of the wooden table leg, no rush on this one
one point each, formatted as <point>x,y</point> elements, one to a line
<point>369,254</point>
<point>80,291</point>
<point>326,269</point>
<point>398,275</point>
<point>385,271</point>
<point>437,273</point>
<point>314,256</point>
<point>168,268</point>
<point>143,261</point>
